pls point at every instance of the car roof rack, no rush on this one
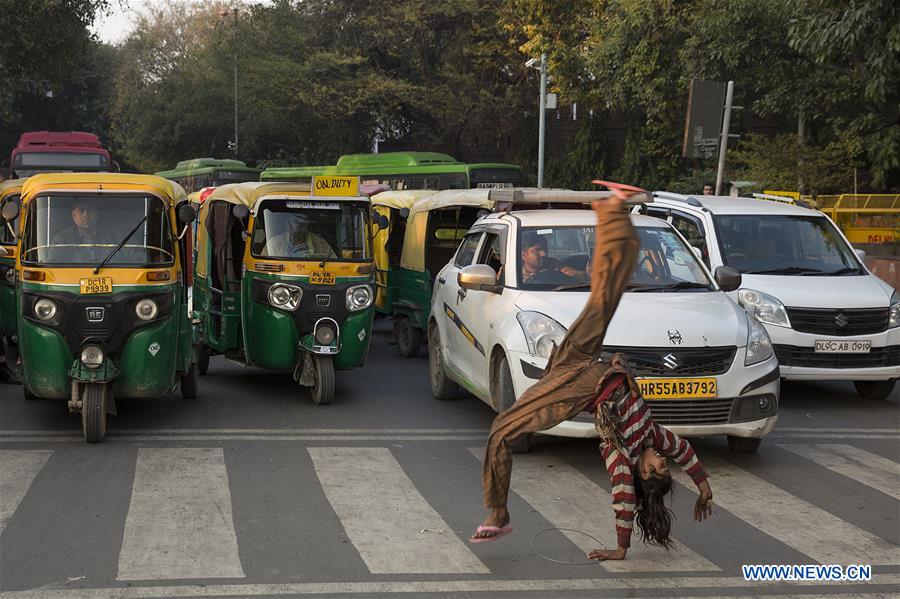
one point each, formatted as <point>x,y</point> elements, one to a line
<point>677,197</point>
<point>505,200</point>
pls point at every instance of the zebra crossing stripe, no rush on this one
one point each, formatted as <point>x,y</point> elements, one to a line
<point>795,522</point>
<point>179,523</point>
<point>568,499</point>
<point>388,521</point>
<point>862,466</point>
<point>17,471</point>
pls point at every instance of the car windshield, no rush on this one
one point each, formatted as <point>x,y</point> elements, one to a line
<point>80,230</point>
<point>26,164</point>
<point>784,245</point>
<point>310,230</point>
<point>558,258</point>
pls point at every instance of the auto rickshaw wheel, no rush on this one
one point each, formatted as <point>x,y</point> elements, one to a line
<point>93,411</point>
<point>27,392</point>
<point>202,359</point>
<point>189,383</point>
<point>409,338</point>
<point>322,391</point>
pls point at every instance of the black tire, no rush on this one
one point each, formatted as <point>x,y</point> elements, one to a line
<point>202,359</point>
<point>874,389</point>
<point>27,393</point>
<point>93,411</point>
<point>322,391</point>
<point>743,444</point>
<point>441,385</point>
<point>506,397</point>
<point>189,383</point>
<point>409,338</point>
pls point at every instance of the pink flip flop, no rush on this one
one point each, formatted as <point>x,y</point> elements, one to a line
<point>498,532</point>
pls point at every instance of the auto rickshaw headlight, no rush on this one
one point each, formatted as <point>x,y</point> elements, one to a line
<point>44,309</point>
<point>359,298</point>
<point>146,309</point>
<point>11,276</point>
<point>92,356</point>
<point>325,335</point>
<point>285,296</point>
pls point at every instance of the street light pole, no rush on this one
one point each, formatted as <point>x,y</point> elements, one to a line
<point>542,120</point>
<point>223,14</point>
<point>726,126</point>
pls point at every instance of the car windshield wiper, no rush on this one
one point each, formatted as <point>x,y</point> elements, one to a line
<point>672,287</point>
<point>788,270</point>
<point>844,271</point>
<point>120,246</point>
<point>570,286</point>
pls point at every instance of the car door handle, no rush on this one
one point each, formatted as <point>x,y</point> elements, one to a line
<point>442,280</point>
<point>461,292</point>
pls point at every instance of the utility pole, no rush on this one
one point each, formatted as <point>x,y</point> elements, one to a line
<point>222,15</point>
<point>726,125</point>
<point>543,117</point>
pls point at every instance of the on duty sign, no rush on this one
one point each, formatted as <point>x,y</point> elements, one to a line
<point>335,186</point>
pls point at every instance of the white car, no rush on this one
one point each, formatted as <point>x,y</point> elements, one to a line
<point>829,318</point>
<point>704,365</point>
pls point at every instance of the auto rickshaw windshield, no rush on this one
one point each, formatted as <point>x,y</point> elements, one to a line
<point>303,230</point>
<point>80,230</point>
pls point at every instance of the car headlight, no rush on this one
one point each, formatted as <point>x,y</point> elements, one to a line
<point>359,298</point>
<point>92,356</point>
<point>541,332</point>
<point>146,309</point>
<point>766,308</point>
<point>759,346</point>
<point>285,296</point>
<point>894,321</point>
<point>44,309</point>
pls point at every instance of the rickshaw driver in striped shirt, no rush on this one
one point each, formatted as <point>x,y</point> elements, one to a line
<point>633,446</point>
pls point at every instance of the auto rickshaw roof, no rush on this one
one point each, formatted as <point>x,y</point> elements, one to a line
<point>10,186</point>
<point>251,192</point>
<point>103,182</point>
<point>398,199</point>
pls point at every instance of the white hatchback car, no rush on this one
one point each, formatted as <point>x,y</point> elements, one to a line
<point>829,317</point>
<point>704,365</point>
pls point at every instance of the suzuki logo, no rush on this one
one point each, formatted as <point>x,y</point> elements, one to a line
<point>323,301</point>
<point>670,361</point>
<point>94,314</point>
<point>841,320</point>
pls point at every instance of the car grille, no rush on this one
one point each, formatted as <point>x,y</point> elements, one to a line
<point>691,411</point>
<point>789,355</point>
<point>706,361</point>
<point>829,322</point>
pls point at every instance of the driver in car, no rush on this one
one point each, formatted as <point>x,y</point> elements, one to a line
<point>537,267</point>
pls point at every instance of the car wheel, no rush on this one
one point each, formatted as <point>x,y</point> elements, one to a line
<point>506,397</point>
<point>874,389</point>
<point>409,338</point>
<point>743,444</point>
<point>441,385</point>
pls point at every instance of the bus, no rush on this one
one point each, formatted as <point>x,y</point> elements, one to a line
<point>197,173</point>
<point>408,170</point>
<point>57,151</point>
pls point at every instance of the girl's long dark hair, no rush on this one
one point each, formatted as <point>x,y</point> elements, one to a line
<point>653,516</point>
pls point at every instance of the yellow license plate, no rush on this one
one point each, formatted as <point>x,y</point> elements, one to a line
<point>678,388</point>
<point>96,285</point>
<point>321,278</point>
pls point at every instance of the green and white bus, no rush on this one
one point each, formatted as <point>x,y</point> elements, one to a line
<point>408,170</point>
<point>197,173</point>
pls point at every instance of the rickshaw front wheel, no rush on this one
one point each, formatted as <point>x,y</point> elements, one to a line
<point>202,359</point>
<point>189,383</point>
<point>93,411</point>
<point>409,338</point>
<point>322,390</point>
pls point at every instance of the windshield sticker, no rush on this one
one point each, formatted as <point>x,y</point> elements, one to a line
<point>314,205</point>
<point>545,232</point>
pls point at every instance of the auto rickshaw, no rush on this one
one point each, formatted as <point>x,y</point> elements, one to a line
<point>101,294</point>
<point>285,278</point>
<point>9,191</point>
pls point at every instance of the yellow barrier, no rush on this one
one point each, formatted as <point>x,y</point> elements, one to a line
<point>864,218</point>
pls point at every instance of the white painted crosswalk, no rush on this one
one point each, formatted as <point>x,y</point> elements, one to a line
<point>179,523</point>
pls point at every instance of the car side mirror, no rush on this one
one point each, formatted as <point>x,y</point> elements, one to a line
<point>404,213</point>
<point>479,277</point>
<point>861,254</point>
<point>240,211</point>
<point>728,278</point>
<point>10,210</point>
<point>186,214</point>
<point>697,251</point>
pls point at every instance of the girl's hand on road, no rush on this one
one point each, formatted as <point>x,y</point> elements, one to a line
<point>703,507</point>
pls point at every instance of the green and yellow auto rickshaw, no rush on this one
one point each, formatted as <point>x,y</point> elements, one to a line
<point>285,278</point>
<point>10,191</point>
<point>101,295</point>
